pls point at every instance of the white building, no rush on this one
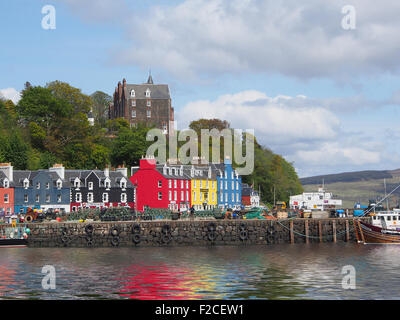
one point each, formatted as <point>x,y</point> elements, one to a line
<point>320,200</point>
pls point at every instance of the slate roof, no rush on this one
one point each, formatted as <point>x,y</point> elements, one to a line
<point>157,91</point>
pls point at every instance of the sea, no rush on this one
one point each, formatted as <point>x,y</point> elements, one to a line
<point>273,272</point>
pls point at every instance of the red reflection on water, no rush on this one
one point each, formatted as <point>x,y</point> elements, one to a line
<point>7,279</point>
<point>160,283</point>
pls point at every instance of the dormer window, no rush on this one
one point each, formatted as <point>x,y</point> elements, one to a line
<point>26,183</point>
<point>37,185</point>
<point>107,184</point>
<point>59,184</point>
<point>90,185</point>
<point>132,93</point>
<point>47,185</point>
<point>76,183</point>
<point>123,184</point>
<point>148,93</point>
<point>6,183</point>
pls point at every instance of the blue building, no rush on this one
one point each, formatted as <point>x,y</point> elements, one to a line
<point>229,186</point>
<point>41,189</point>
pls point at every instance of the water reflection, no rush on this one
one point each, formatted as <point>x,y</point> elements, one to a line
<point>259,272</point>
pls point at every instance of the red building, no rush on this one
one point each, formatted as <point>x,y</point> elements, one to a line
<point>161,186</point>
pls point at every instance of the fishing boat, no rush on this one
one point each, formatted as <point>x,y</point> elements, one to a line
<point>14,236</point>
<point>385,228</point>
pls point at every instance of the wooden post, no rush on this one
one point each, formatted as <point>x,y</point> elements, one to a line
<point>320,231</point>
<point>347,231</point>
<point>291,232</point>
<point>334,230</point>
<point>306,225</point>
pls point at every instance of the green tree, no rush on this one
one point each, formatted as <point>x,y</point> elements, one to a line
<point>101,102</point>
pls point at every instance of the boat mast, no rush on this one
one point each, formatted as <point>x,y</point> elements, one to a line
<point>387,200</point>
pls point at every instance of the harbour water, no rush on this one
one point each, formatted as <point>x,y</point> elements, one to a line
<point>284,271</point>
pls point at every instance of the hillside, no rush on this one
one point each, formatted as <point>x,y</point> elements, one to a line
<point>361,186</point>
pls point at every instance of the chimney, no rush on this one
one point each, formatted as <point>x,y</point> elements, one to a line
<point>107,172</point>
<point>7,168</point>
<point>123,170</point>
<point>59,169</point>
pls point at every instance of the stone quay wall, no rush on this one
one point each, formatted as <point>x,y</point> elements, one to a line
<point>190,233</point>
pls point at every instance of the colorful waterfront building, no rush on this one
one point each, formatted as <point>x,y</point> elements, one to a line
<point>41,189</point>
<point>250,197</point>
<point>161,186</point>
<point>204,187</point>
<point>229,185</point>
<point>6,190</point>
<point>100,189</point>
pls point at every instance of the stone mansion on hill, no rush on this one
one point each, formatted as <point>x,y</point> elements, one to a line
<point>146,103</point>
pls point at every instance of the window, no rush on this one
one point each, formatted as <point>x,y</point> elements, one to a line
<point>194,196</point>
<point>76,183</point>
<point>123,197</point>
<point>221,185</point>
<point>187,184</point>
<point>170,195</point>
<point>90,185</point>
<point>159,183</point>
<point>148,113</point>
<point>222,197</point>
<point>160,196</point>
<point>213,184</point>
<point>232,174</point>
<point>78,197</point>
<point>194,183</point>
<point>37,198</point>
<point>182,196</point>
<point>133,113</point>
<point>174,183</point>
<point>233,185</point>
<point>25,198</point>
<point>47,198</point>
<point>47,185</point>
<point>187,195</point>
<point>170,183</point>
<point>123,184</point>
<point>37,185</point>
<point>59,198</point>
<point>237,185</point>
<point>148,103</point>
<point>105,197</point>
<point>90,197</point>
<point>148,93</point>
<point>181,184</point>
<point>237,197</point>
<point>6,183</point>
<point>132,93</point>
<point>213,196</point>
<point>321,197</point>
<point>175,195</point>
<point>59,184</point>
<point>133,103</point>
<point>107,184</point>
<point>226,185</point>
<point>26,184</point>
<point>389,218</point>
<point>394,218</point>
<point>226,197</point>
<point>6,198</point>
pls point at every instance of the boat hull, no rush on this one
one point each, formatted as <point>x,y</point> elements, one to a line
<point>369,234</point>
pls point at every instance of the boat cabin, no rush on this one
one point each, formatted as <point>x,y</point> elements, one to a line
<point>387,219</point>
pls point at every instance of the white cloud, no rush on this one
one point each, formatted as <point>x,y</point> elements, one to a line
<point>275,120</point>
<point>298,127</point>
<point>296,39</point>
<point>10,94</point>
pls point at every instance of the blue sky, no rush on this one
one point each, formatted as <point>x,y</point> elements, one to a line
<point>324,97</point>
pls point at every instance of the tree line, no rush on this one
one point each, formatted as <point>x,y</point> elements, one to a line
<point>49,125</point>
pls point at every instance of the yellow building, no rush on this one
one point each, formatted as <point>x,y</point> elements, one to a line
<point>204,188</point>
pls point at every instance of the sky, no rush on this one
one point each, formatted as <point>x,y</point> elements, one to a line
<point>322,94</point>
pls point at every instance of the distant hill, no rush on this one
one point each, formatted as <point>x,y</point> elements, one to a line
<point>361,186</point>
<point>348,177</point>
